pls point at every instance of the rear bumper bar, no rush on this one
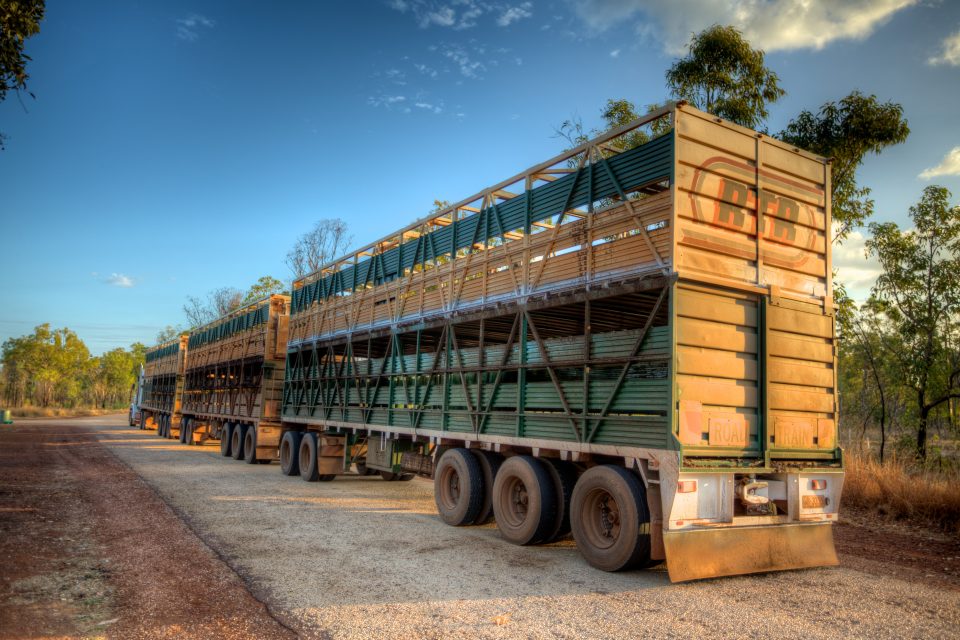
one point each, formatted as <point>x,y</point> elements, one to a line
<point>694,554</point>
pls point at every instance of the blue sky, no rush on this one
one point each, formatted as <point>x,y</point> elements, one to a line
<point>175,147</point>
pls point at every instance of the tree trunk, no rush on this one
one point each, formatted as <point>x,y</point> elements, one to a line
<point>922,430</point>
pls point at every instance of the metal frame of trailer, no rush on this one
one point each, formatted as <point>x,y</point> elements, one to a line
<point>163,387</point>
<point>233,380</point>
<point>634,339</point>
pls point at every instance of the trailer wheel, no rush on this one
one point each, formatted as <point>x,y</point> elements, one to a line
<point>250,445</point>
<point>159,422</point>
<point>307,456</point>
<point>289,453</point>
<point>458,487</point>
<point>610,519</point>
<point>489,465</point>
<point>182,435</point>
<point>524,500</point>
<point>226,432</point>
<point>364,470</point>
<point>236,440</point>
<point>564,476</point>
<point>186,428</point>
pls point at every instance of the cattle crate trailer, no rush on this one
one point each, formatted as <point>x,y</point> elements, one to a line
<point>633,341</point>
<point>163,387</point>
<point>234,380</point>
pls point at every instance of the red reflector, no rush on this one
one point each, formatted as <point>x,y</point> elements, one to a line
<point>686,486</point>
<point>818,485</point>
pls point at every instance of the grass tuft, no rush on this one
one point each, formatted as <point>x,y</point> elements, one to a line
<point>898,491</point>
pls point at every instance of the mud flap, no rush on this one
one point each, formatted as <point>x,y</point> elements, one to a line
<point>731,551</point>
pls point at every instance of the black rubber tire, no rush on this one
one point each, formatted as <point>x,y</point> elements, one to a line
<point>564,476</point>
<point>390,476</point>
<point>524,500</point>
<point>489,465</point>
<point>327,477</point>
<point>458,487</point>
<point>226,432</point>
<point>250,445</point>
<point>290,453</point>
<point>159,422</point>
<point>307,457</point>
<point>611,537</point>
<point>188,427</point>
<point>236,440</point>
<point>364,470</point>
<point>182,433</point>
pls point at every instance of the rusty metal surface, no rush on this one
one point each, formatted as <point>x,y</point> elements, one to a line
<point>731,551</point>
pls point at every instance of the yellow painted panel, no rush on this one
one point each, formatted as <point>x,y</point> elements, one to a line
<point>691,126</point>
<point>711,362</point>
<point>797,372</point>
<point>796,398</point>
<point>810,324</point>
<point>717,308</point>
<point>712,238</point>
<point>801,348</point>
<point>793,163</point>
<point>701,333</point>
<point>744,220</point>
<point>728,393</point>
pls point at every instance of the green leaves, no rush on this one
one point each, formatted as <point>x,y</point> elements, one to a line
<point>919,291</point>
<point>847,131</point>
<point>53,367</point>
<point>19,19</point>
<point>722,74</point>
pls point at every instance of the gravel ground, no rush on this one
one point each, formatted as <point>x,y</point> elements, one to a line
<point>88,550</point>
<point>361,558</point>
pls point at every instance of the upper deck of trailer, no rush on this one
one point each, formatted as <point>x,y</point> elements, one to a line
<point>689,201</point>
<point>254,329</point>
<point>166,358</point>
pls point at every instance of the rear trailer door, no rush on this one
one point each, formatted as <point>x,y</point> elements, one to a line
<point>755,377</point>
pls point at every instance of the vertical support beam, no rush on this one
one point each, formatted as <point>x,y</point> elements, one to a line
<point>522,376</point>
<point>758,142</point>
<point>587,331</point>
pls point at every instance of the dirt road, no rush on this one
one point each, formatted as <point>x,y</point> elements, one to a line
<point>360,558</point>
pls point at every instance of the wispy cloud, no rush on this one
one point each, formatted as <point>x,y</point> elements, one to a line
<point>772,26</point>
<point>615,53</point>
<point>119,280</point>
<point>388,101</point>
<point>949,51</point>
<point>462,14</point>
<point>464,60</point>
<point>949,166</point>
<point>435,108</point>
<point>512,14</point>
<point>189,28</point>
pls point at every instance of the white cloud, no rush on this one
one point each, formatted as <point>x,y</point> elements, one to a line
<point>435,108</point>
<point>461,14</point>
<point>120,280</point>
<point>949,166</point>
<point>425,70</point>
<point>615,53</point>
<point>468,67</point>
<point>512,14</point>
<point>950,51</point>
<point>189,28</point>
<point>854,269</point>
<point>771,25</point>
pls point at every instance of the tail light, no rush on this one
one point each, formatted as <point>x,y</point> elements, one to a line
<point>686,486</point>
<point>818,485</point>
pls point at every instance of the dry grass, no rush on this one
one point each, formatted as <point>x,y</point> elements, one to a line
<point>895,490</point>
<point>50,412</point>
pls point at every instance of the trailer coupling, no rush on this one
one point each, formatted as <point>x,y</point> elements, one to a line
<point>694,554</point>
